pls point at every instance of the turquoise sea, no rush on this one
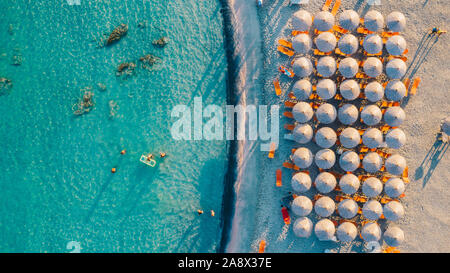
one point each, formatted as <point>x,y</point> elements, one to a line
<point>56,185</point>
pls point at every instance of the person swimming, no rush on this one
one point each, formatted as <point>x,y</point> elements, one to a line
<point>162,154</point>
<point>200,212</point>
<point>150,157</point>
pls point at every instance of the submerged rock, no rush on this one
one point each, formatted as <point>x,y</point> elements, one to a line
<point>5,85</point>
<point>125,68</point>
<point>149,60</point>
<point>117,34</point>
<point>162,42</point>
<point>85,104</point>
<point>101,86</point>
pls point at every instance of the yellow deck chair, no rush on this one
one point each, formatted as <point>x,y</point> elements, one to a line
<point>336,6</point>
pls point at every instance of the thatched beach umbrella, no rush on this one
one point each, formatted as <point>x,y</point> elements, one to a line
<point>302,157</point>
<point>393,236</point>
<point>301,182</point>
<point>395,90</point>
<point>349,20</point>
<point>324,230</point>
<point>301,20</point>
<point>302,43</point>
<point>374,91</point>
<point>346,232</point>
<point>349,183</point>
<point>326,66</point>
<point>302,89</point>
<point>350,137</point>
<point>302,133</point>
<point>393,211</point>
<point>325,159</point>
<point>395,164</point>
<point>326,113</point>
<point>348,67</point>
<point>373,20</point>
<point>348,44</point>
<point>371,232</point>
<point>372,187</point>
<point>394,116</point>
<point>349,161</point>
<point>325,137</point>
<point>325,182</point>
<point>373,44</point>
<point>396,45</point>
<point>373,67</point>
<point>396,21</point>
<point>302,67</point>
<point>302,112</point>
<point>371,115</point>
<point>348,114</point>
<point>324,21</point>
<point>348,208</point>
<point>372,162</point>
<point>301,206</point>
<point>326,42</point>
<point>446,126</point>
<point>324,206</point>
<point>372,138</point>
<point>372,210</point>
<point>303,227</point>
<point>394,187</point>
<point>349,89</point>
<point>396,69</point>
<point>326,89</point>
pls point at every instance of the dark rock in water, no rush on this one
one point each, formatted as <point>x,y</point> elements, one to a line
<point>16,60</point>
<point>149,60</point>
<point>85,103</point>
<point>142,24</point>
<point>162,42</point>
<point>117,34</point>
<point>125,68</point>
<point>5,86</point>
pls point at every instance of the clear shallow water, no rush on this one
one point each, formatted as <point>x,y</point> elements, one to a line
<point>55,182</point>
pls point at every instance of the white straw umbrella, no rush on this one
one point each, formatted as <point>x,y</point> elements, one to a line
<point>374,91</point>
<point>348,44</point>
<point>393,211</point>
<point>302,67</point>
<point>301,206</point>
<point>372,187</point>
<point>325,182</point>
<point>394,187</point>
<point>302,89</point>
<point>302,43</point>
<point>326,89</point>
<point>396,21</point>
<point>346,232</point>
<point>325,159</point>
<point>302,157</point>
<point>372,162</point>
<point>372,210</point>
<point>325,137</point>
<point>371,115</point>
<point>395,164</point>
<point>371,232</point>
<point>372,138</point>
<point>373,67</point>
<point>348,67</point>
<point>373,20</point>
<point>396,45</point>
<point>324,21</point>
<point>324,206</point>
<point>349,161</point>
<point>446,126</point>
<point>348,208</point>
<point>393,236</point>
<point>395,90</point>
<point>326,66</point>
<point>302,133</point>
<point>350,137</point>
<point>302,112</point>
<point>324,230</point>
<point>349,89</point>
<point>302,20</point>
<point>394,116</point>
<point>325,42</point>
<point>301,182</point>
<point>373,44</point>
<point>349,20</point>
<point>396,69</point>
<point>349,183</point>
<point>326,113</point>
<point>348,114</point>
<point>303,227</point>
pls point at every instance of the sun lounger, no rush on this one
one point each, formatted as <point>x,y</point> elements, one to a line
<point>279,175</point>
<point>286,217</point>
<point>326,6</point>
<point>291,96</point>
<point>272,150</point>
<point>288,114</point>
<point>262,246</point>
<point>289,165</point>
<point>390,249</point>
<point>415,85</point>
<point>289,104</point>
<point>407,82</point>
<point>285,51</point>
<point>285,43</point>
<point>372,55</point>
<point>276,84</point>
<point>339,52</point>
<point>336,6</point>
<point>340,29</point>
<point>286,71</point>
<point>320,53</point>
<point>289,127</point>
<point>296,32</point>
<point>388,34</point>
<point>363,30</point>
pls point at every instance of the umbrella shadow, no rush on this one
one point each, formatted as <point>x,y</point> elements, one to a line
<point>425,3</point>
<point>431,160</point>
<point>423,49</point>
